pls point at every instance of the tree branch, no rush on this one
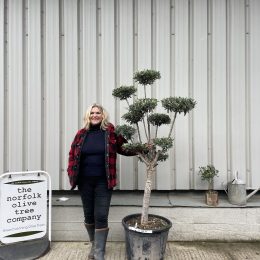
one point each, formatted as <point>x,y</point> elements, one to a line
<point>144,91</point>
<point>149,129</point>
<point>156,158</point>
<point>173,121</point>
<point>138,131</point>
<point>145,130</point>
<point>156,131</point>
<point>143,159</point>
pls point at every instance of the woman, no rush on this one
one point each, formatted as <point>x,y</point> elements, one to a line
<point>92,167</point>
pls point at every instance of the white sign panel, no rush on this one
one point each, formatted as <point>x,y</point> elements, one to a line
<point>23,213</point>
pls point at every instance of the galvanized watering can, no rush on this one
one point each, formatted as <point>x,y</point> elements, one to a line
<point>236,191</point>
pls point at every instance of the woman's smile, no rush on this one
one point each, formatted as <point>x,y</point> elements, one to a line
<point>95,116</point>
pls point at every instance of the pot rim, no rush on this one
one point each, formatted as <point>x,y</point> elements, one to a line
<point>139,230</point>
<point>212,192</point>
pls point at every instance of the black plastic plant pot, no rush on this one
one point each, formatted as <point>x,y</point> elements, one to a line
<point>145,244</point>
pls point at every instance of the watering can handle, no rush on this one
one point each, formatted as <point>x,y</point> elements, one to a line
<point>225,187</point>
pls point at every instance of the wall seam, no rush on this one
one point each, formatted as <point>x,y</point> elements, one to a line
<point>6,84</point>
<point>62,91</point>
<point>99,51</point>
<point>247,94</point>
<point>173,176</point>
<point>191,93</point>
<point>228,84</point>
<point>25,84</point>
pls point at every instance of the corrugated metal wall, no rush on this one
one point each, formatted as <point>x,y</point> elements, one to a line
<point>57,57</point>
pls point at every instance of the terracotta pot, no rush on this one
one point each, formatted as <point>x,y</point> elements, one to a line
<point>211,198</point>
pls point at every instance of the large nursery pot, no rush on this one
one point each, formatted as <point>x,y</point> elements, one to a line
<point>144,244</point>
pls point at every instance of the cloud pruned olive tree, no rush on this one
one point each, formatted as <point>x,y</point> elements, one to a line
<point>141,116</point>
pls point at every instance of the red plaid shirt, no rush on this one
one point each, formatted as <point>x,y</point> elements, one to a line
<point>113,146</point>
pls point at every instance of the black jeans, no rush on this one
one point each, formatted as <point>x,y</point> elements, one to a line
<point>96,198</point>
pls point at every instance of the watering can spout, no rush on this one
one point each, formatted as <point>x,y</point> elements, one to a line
<point>252,193</point>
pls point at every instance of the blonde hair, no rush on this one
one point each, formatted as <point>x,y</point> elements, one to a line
<point>104,122</point>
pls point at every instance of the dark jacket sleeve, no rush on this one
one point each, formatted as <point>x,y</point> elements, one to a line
<point>120,141</point>
<point>71,154</point>
<point>71,163</point>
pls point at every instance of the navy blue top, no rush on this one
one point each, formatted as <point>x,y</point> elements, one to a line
<point>92,160</point>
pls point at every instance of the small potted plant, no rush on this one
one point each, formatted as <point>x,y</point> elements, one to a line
<point>208,173</point>
<point>146,234</point>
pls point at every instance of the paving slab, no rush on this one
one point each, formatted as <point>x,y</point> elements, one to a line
<point>174,251</point>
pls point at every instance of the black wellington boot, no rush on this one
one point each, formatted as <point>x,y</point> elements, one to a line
<point>100,243</point>
<point>91,233</point>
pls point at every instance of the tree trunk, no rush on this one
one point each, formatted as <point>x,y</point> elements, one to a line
<point>147,194</point>
<point>210,184</point>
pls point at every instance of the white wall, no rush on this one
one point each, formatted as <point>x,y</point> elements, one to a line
<point>58,57</point>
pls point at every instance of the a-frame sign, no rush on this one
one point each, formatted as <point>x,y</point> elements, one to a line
<point>25,214</point>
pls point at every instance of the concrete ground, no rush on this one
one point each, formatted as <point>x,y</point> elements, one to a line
<point>174,250</point>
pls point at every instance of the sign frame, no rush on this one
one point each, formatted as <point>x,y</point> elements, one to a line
<point>49,198</point>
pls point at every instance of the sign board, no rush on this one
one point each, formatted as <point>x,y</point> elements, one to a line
<point>23,204</point>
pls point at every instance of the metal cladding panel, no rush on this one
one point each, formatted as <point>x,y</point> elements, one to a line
<point>34,86</point>
<point>253,81</point>
<point>199,87</point>
<point>58,57</point>
<point>87,55</point>
<point>143,34</point>
<point>124,63</point>
<point>237,89</point>
<point>180,68</point>
<point>15,96</point>
<point>163,88</point>
<point>218,87</point>
<point>51,142</point>
<point>107,55</point>
<point>2,86</point>
<point>144,40</point>
<point>69,81</point>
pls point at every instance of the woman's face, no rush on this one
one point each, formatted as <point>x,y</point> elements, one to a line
<point>95,116</point>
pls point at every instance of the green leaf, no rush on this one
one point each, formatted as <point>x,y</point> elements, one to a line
<point>124,92</point>
<point>137,147</point>
<point>133,117</point>
<point>126,131</point>
<point>138,110</point>
<point>165,143</point>
<point>178,104</point>
<point>163,157</point>
<point>208,172</point>
<point>144,105</point>
<point>159,119</point>
<point>146,77</point>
